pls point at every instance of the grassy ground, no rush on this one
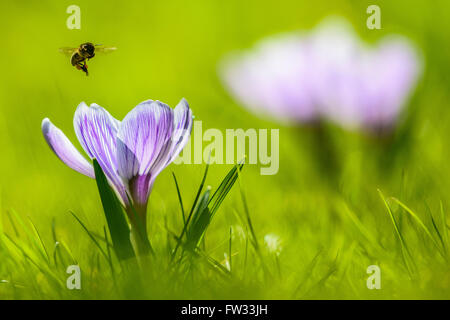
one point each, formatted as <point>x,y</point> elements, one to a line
<point>379,202</point>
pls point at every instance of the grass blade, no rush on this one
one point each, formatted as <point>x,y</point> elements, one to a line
<point>420,223</point>
<point>41,242</point>
<point>444,228</point>
<point>225,187</point>
<point>200,222</point>
<point>185,226</point>
<point>179,198</point>
<point>31,234</point>
<point>405,252</point>
<point>90,235</point>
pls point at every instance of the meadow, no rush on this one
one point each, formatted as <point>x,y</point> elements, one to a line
<point>332,210</point>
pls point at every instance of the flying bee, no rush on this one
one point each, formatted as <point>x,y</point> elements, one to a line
<point>86,51</point>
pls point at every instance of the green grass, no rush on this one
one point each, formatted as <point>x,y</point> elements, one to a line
<point>385,201</point>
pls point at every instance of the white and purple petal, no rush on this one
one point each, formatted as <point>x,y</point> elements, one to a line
<point>144,141</point>
<point>96,130</point>
<point>183,120</point>
<point>65,150</point>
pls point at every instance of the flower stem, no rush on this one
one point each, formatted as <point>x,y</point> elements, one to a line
<point>139,235</point>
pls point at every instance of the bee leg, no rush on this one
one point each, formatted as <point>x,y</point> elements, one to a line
<point>85,68</point>
<point>82,66</point>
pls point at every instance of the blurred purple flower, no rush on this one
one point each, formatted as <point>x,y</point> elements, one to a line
<point>131,153</point>
<point>328,73</point>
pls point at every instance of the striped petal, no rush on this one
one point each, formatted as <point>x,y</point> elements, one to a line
<point>96,130</point>
<point>143,143</point>
<point>183,120</point>
<point>181,132</point>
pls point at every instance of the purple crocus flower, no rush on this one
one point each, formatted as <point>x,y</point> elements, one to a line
<point>273,79</point>
<point>131,153</point>
<point>328,73</point>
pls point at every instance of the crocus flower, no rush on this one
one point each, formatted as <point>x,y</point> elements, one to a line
<point>328,73</point>
<point>131,153</point>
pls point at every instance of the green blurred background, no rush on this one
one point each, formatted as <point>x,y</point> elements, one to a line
<point>170,49</point>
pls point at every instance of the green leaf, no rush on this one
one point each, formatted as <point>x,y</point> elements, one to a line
<point>225,187</point>
<point>179,197</point>
<point>200,221</point>
<point>188,220</point>
<point>207,206</point>
<point>204,208</point>
<point>115,217</point>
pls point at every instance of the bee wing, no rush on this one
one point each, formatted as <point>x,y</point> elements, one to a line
<point>67,50</point>
<point>104,49</point>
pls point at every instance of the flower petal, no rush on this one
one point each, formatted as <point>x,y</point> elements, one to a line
<point>144,134</point>
<point>182,128</point>
<point>65,150</point>
<point>394,71</point>
<point>181,132</point>
<point>96,130</point>
<point>274,78</point>
<point>143,142</point>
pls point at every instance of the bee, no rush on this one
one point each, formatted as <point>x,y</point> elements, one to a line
<point>86,51</point>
